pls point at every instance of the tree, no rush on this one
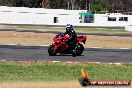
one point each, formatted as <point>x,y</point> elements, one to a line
<point>58,4</point>
<point>7,2</point>
<point>46,3</point>
<point>32,3</point>
<point>97,5</point>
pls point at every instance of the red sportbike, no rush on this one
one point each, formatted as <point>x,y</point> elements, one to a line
<point>60,46</point>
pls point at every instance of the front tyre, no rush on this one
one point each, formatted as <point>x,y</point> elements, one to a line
<point>80,49</point>
<point>51,51</point>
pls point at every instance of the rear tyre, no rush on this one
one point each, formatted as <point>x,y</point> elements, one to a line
<point>51,51</point>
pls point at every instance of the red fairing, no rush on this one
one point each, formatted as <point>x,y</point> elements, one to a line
<point>79,38</point>
<point>82,38</point>
<point>60,38</point>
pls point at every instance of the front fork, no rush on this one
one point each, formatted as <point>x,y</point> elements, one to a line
<point>55,47</point>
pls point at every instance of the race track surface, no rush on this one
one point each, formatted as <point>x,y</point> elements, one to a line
<point>39,53</point>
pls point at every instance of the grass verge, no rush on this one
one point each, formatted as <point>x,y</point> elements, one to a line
<point>62,29</point>
<point>43,71</point>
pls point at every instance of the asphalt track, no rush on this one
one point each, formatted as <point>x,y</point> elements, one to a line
<point>39,53</point>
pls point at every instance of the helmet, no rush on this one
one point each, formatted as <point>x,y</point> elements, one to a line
<point>69,27</point>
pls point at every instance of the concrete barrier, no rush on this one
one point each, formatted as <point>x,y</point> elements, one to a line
<point>58,17</point>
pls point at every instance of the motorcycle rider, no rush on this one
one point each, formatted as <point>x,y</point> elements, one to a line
<point>72,40</point>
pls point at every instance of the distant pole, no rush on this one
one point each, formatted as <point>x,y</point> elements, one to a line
<point>89,6</point>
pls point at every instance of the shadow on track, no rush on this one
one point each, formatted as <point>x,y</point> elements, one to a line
<point>65,55</point>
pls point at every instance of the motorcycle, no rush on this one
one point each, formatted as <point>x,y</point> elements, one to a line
<point>60,46</point>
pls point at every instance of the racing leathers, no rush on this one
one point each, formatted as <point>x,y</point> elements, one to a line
<point>72,40</point>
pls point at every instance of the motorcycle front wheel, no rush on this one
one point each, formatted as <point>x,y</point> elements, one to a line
<point>51,51</point>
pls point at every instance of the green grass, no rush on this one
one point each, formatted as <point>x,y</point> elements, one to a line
<point>61,29</point>
<point>42,71</point>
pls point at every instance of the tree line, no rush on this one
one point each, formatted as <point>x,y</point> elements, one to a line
<point>94,5</point>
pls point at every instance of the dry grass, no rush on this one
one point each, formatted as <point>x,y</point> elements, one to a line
<point>29,38</point>
<point>110,42</point>
<point>52,85</point>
